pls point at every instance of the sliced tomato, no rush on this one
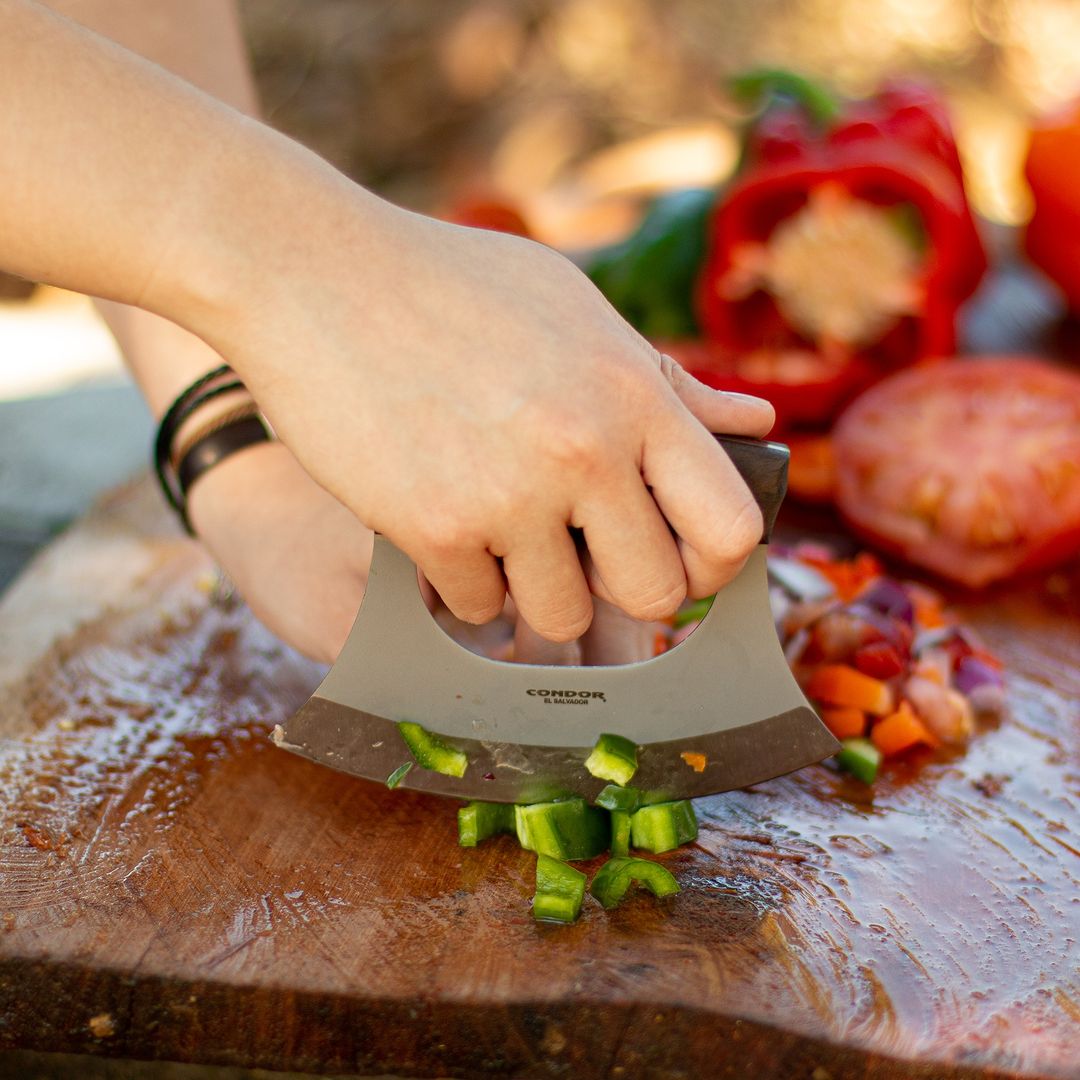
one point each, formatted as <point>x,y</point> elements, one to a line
<point>969,467</point>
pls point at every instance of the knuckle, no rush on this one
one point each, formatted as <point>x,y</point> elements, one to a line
<point>567,631</point>
<point>659,603</point>
<point>573,442</point>
<point>478,610</point>
<point>735,541</point>
<point>744,532</point>
<point>562,626</point>
<point>446,535</point>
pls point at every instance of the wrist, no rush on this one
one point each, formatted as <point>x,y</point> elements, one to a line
<point>264,214</point>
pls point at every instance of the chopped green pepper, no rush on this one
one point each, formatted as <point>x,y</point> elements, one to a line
<point>620,832</point>
<point>615,876</point>
<point>860,757</point>
<point>560,890</point>
<point>431,752</point>
<point>398,775</point>
<point>569,830</point>
<point>622,802</point>
<point>663,826</point>
<point>479,820</point>
<point>616,797</point>
<point>692,613</point>
<point>613,758</point>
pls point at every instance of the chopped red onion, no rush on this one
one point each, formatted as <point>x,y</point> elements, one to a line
<point>890,598</point>
<point>802,581</point>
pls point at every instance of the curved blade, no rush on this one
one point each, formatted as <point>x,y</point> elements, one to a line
<point>726,693</point>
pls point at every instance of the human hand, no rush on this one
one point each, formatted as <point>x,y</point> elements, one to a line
<point>472,395</point>
<point>300,560</point>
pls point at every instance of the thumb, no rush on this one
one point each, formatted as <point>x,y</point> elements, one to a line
<point>721,411</point>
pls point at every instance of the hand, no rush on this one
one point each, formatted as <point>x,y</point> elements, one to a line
<point>467,393</point>
<point>472,395</point>
<point>300,560</point>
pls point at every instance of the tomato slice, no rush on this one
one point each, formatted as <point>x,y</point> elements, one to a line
<point>970,467</point>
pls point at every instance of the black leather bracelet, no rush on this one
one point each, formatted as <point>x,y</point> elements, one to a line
<point>213,445</point>
<point>217,445</point>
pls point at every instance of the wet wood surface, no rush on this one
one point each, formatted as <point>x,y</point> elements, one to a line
<point>172,886</point>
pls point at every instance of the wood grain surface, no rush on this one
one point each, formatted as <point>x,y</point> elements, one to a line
<point>172,886</point>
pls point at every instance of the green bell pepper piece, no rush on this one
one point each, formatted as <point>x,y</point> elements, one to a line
<point>613,758</point>
<point>570,830</point>
<point>398,775</point>
<point>479,820</point>
<point>617,797</point>
<point>650,277</point>
<point>560,890</point>
<point>431,752</point>
<point>616,875</point>
<point>663,826</point>
<point>860,757</point>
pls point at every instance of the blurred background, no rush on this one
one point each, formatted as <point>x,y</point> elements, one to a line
<point>559,102</point>
<point>576,110</point>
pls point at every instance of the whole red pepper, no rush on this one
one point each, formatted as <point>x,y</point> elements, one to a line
<point>841,250</point>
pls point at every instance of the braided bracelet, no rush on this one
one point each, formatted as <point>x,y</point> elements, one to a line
<point>233,431</point>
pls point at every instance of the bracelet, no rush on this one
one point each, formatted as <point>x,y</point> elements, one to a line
<point>218,444</point>
<point>237,429</point>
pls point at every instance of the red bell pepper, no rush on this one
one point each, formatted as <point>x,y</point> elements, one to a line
<point>842,249</point>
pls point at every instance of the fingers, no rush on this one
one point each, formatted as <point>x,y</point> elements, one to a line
<point>702,495</point>
<point>721,411</point>
<point>633,560</point>
<point>615,638</point>
<point>470,581</point>
<point>637,562</point>
<point>531,648</point>
<point>548,584</point>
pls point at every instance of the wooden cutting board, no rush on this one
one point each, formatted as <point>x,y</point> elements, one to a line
<point>172,886</point>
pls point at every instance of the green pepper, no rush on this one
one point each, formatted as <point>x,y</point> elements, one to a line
<point>569,830</point>
<point>650,277</point>
<point>617,797</point>
<point>616,875</point>
<point>431,752</point>
<point>479,820</point>
<point>663,826</point>
<point>694,612</point>
<point>621,802</point>
<point>398,775</point>
<point>560,890</point>
<point>860,757</point>
<point>613,758</point>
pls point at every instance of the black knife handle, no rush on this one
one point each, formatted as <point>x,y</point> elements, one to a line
<point>764,466</point>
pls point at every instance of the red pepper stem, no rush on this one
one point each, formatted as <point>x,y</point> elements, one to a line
<point>762,86</point>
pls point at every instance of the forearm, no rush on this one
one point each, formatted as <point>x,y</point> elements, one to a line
<point>126,183</point>
<point>200,41</point>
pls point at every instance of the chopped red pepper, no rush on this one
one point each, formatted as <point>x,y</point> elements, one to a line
<point>879,659</point>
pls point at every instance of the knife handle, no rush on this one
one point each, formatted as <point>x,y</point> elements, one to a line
<point>764,467</point>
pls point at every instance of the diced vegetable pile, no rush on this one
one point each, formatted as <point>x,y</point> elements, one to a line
<point>886,666</point>
<point>570,830</point>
